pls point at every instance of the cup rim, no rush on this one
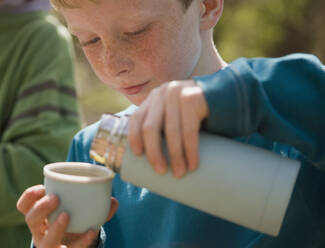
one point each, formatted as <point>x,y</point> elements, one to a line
<point>48,172</point>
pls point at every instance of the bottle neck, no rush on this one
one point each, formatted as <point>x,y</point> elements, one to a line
<point>110,141</point>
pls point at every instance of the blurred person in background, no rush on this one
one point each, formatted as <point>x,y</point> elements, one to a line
<point>39,113</point>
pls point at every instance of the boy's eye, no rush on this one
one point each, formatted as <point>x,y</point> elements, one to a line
<point>90,42</point>
<point>138,32</point>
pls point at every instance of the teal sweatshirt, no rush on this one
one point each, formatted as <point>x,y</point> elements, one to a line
<point>39,113</point>
<point>277,104</point>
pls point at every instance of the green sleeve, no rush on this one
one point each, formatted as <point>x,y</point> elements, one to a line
<point>44,116</point>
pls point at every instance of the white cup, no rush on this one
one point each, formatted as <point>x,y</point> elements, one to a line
<point>84,191</point>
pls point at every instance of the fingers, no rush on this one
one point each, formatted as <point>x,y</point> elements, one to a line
<point>37,215</point>
<point>190,130</point>
<point>177,108</point>
<point>56,235</point>
<point>144,132</point>
<point>56,232</point>
<point>113,208</point>
<point>135,128</point>
<point>79,240</point>
<point>86,240</point>
<point>151,132</point>
<point>29,197</point>
<point>173,127</point>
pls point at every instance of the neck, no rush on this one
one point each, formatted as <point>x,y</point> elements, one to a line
<point>210,60</point>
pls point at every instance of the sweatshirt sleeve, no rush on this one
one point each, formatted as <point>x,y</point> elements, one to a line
<point>283,99</point>
<point>43,120</point>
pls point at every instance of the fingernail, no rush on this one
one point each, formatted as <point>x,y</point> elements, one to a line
<point>39,190</point>
<point>161,169</point>
<point>53,197</point>
<point>63,218</point>
<point>137,151</point>
<point>192,167</point>
<point>179,172</point>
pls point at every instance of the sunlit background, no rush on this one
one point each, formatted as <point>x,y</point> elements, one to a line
<point>248,28</point>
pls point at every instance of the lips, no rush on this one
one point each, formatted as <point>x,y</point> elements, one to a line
<point>134,89</point>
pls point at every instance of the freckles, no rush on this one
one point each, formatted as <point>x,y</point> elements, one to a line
<point>148,54</point>
<point>97,64</point>
<point>92,57</point>
<point>146,49</point>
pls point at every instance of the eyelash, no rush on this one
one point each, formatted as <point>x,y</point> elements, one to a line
<point>129,34</point>
<point>93,41</point>
<point>136,33</point>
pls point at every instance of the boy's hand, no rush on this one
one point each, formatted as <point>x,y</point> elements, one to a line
<point>177,108</point>
<point>36,206</point>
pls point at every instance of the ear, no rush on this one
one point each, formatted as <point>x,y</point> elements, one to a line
<point>211,11</point>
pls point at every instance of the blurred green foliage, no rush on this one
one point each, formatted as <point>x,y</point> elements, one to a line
<point>248,28</point>
<point>255,28</point>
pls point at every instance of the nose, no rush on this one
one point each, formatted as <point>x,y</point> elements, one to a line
<point>117,62</point>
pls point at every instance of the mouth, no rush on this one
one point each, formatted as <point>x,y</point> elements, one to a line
<point>134,89</point>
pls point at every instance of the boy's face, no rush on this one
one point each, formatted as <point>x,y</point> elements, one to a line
<point>136,45</point>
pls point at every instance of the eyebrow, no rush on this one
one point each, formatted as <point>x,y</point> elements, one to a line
<point>72,31</point>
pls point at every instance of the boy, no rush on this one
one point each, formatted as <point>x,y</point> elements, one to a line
<point>135,46</point>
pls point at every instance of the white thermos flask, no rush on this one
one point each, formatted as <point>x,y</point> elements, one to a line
<point>241,183</point>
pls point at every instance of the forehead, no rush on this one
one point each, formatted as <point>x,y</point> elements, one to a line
<point>77,3</point>
<point>118,12</point>
<point>109,6</point>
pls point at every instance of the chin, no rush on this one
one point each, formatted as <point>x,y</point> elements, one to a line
<point>136,100</point>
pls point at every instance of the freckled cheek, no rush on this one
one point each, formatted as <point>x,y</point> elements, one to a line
<point>173,54</point>
<point>97,64</point>
<point>155,58</point>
